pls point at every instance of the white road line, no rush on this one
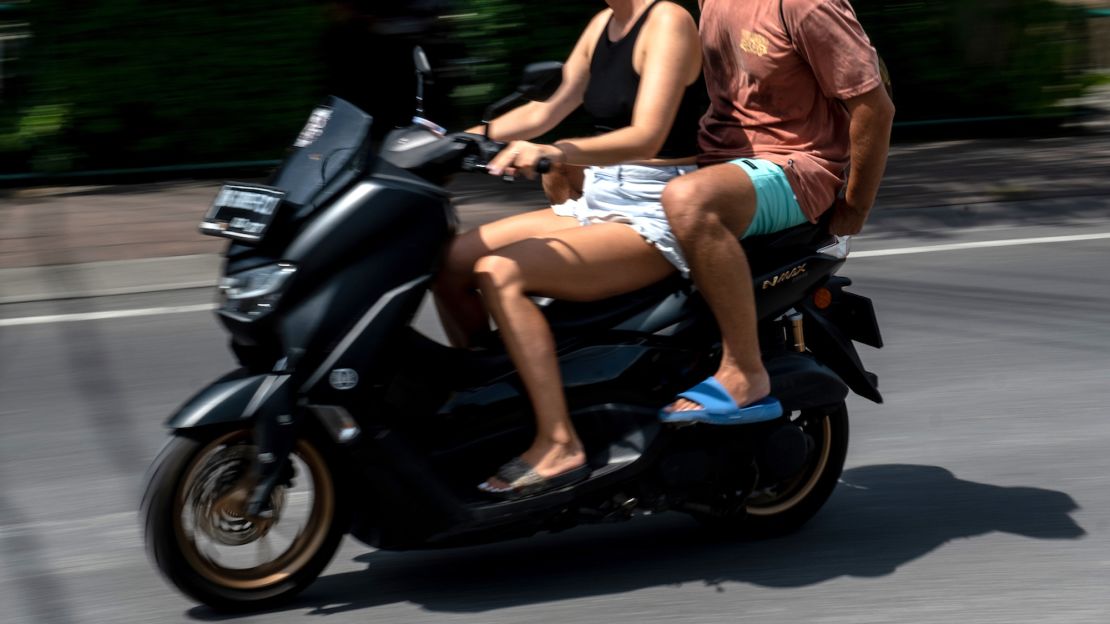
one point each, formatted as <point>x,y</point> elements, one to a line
<point>99,316</point>
<point>1012,242</point>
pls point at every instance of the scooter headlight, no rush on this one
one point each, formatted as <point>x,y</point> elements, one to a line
<point>253,294</point>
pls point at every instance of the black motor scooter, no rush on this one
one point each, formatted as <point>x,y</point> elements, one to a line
<point>343,418</point>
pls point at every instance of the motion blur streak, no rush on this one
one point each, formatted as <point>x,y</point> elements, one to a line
<point>117,314</point>
<point>100,316</point>
<point>981,245</point>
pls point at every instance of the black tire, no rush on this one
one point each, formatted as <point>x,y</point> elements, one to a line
<point>175,553</point>
<point>788,505</point>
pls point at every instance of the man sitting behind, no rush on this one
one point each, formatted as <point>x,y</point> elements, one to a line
<point>796,105</point>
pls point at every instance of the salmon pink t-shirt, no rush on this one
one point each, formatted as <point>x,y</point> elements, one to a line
<point>775,92</point>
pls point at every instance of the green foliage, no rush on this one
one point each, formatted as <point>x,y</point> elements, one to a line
<point>505,35</point>
<point>135,83</point>
<point>502,36</point>
<point>32,134</point>
<point>160,81</point>
<point>38,122</point>
<point>953,58</point>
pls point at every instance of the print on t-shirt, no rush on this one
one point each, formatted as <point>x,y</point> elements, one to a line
<point>753,43</point>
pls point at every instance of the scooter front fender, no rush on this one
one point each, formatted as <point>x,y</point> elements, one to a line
<point>222,401</point>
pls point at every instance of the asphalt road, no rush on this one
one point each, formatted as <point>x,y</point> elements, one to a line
<point>980,492</point>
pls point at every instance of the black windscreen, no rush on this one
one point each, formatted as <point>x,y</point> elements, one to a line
<point>333,140</point>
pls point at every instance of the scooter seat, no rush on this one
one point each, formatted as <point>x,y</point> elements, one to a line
<point>764,251</point>
<point>806,235</point>
<point>565,316</point>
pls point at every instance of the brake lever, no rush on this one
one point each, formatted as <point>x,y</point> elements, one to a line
<point>472,164</point>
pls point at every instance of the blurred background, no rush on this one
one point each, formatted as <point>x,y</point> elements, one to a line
<point>118,84</point>
<point>979,492</point>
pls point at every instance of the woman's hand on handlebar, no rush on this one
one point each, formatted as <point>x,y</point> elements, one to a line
<point>522,157</point>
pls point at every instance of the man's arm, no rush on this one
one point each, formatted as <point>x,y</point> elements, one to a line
<point>872,114</point>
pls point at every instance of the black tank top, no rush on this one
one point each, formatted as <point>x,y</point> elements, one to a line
<point>611,93</point>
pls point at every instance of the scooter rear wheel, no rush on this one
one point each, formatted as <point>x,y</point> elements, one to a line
<point>787,505</point>
<point>784,506</point>
<point>203,542</point>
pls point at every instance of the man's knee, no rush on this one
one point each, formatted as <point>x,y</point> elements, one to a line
<point>688,206</point>
<point>710,198</point>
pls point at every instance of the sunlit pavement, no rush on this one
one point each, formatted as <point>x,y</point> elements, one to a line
<point>979,492</point>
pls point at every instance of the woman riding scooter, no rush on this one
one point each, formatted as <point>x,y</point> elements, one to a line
<point>636,70</point>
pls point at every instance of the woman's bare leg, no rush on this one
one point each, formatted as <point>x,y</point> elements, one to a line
<point>581,264</point>
<point>459,306</point>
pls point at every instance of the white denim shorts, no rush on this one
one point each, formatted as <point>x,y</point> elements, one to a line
<point>630,194</point>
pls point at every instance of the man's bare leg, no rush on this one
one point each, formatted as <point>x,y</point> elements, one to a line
<point>709,210</point>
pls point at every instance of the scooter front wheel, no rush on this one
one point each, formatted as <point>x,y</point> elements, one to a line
<point>202,540</point>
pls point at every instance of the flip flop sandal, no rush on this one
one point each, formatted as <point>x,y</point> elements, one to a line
<point>718,407</point>
<point>524,481</point>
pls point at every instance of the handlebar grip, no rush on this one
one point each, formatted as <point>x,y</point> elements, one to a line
<point>543,166</point>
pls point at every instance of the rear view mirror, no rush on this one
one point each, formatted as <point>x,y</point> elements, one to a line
<point>421,61</point>
<point>541,80</point>
<point>423,68</point>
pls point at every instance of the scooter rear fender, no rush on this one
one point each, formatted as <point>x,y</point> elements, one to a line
<point>835,349</point>
<point>800,382</point>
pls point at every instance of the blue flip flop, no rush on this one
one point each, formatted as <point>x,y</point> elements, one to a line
<point>718,408</point>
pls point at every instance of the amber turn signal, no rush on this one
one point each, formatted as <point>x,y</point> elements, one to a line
<point>822,298</point>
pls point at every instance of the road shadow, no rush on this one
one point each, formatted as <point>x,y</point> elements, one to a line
<point>941,224</point>
<point>87,370</point>
<point>880,518</point>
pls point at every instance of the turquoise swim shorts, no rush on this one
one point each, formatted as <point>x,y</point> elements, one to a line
<point>776,208</point>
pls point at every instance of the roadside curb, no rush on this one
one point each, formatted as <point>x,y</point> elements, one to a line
<point>931,186</point>
<point>172,273</point>
<point>108,278</point>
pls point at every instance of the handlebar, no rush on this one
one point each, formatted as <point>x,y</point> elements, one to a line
<point>475,164</point>
<point>423,149</point>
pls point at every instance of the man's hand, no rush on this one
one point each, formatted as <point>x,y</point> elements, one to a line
<point>847,219</point>
<point>871,117</point>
